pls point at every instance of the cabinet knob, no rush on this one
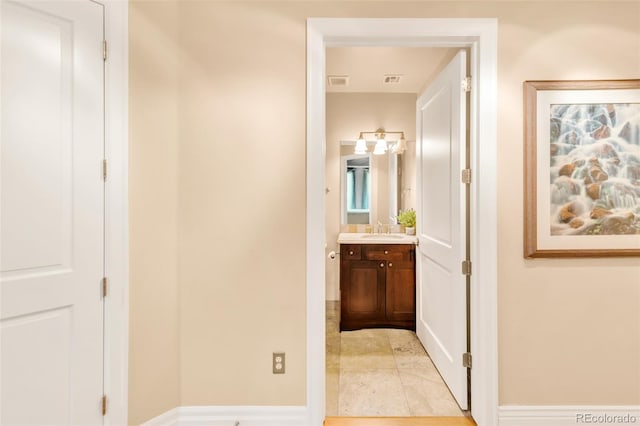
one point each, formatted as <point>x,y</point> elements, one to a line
<point>350,252</point>
<point>382,265</point>
<point>386,252</point>
<point>390,264</point>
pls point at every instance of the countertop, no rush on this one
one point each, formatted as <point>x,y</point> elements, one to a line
<point>366,238</point>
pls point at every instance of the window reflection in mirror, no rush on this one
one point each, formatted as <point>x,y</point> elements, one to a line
<point>356,189</point>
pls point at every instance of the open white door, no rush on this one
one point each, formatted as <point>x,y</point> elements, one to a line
<point>441,322</point>
<point>52,213</point>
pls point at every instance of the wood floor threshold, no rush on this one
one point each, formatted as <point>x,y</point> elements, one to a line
<point>399,421</point>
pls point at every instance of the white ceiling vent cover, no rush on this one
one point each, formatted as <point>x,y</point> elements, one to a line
<point>338,80</point>
<point>392,78</point>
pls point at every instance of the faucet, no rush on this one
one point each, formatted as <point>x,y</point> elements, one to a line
<point>381,228</point>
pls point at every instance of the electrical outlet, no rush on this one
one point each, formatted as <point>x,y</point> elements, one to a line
<point>278,363</point>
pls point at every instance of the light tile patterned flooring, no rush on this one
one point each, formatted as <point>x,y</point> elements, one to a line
<point>381,372</point>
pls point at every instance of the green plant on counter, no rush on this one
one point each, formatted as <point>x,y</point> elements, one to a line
<point>407,218</point>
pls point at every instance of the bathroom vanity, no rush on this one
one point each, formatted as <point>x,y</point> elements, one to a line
<point>377,281</point>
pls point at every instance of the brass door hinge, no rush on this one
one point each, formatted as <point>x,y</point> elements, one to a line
<point>104,405</point>
<point>105,285</point>
<point>466,84</point>
<point>104,169</point>
<point>466,176</point>
<point>466,360</point>
<point>104,50</point>
<point>466,267</point>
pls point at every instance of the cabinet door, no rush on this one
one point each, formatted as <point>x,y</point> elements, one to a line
<point>363,291</point>
<point>400,291</point>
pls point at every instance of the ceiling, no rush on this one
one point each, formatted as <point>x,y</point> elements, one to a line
<point>367,67</point>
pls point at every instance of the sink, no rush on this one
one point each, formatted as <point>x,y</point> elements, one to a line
<point>366,238</point>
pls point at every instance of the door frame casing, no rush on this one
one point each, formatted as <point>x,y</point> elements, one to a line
<point>480,36</point>
<point>116,329</point>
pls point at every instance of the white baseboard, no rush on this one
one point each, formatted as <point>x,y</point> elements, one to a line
<point>168,418</point>
<point>508,415</point>
<point>562,415</point>
<point>233,416</point>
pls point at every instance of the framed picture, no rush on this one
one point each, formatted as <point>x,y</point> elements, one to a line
<point>582,168</point>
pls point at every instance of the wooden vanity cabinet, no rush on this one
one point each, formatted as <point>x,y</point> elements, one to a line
<point>377,286</point>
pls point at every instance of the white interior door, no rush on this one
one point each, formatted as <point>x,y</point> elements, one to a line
<point>51,213</point>
<point>441,226</point>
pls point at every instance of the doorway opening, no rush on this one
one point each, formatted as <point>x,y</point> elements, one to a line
<point>480,37</point>
<point>376,363</point>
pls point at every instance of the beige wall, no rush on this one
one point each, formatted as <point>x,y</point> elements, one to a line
<point>348,114</point>
<point>569,330</point>
<point>552,310</point>
<point>241,205</point>
<point>153,191</point>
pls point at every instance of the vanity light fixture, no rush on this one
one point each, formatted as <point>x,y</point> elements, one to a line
<point>381,146</point>
<point>400,146</point>
<point>361,146</point>
<point>381,143</point>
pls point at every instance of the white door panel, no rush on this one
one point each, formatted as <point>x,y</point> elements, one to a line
<point>436,168</point>
<point>45,340</point>
<point>51,213</point>
<point>441,226</point>
<point>35,86</point>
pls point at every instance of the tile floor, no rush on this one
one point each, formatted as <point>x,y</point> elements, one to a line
<point>381,372</point>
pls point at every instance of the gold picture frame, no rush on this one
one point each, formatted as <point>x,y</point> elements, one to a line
<point>581,168</point>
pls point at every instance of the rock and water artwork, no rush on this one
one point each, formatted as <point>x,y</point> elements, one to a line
<point>595,169</point>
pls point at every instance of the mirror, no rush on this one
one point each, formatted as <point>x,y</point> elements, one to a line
<point>356,188</point>
<point>369,187</point>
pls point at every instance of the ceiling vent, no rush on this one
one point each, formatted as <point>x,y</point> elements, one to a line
<point>338,80</point>
<point>392,78</point>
